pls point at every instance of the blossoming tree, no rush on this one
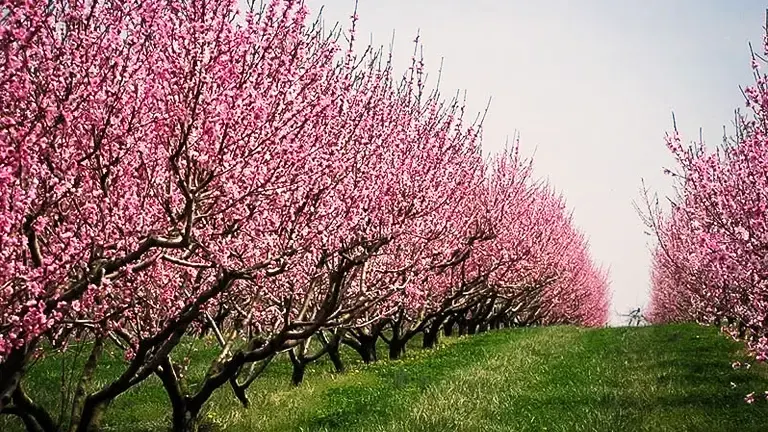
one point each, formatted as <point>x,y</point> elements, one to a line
<point>172,169</point>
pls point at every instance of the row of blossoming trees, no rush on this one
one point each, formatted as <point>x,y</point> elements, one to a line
<point>711,261</point>
<point>176,169</point>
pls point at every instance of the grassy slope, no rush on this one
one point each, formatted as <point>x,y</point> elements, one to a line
<point>665,378</point>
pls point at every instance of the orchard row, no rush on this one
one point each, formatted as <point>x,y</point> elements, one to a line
<point>175,169</point>
<point>711,262</point>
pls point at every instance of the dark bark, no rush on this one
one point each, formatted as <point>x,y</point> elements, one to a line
<point>218,320</point>
<point>30,425</point>
<point>462,327</point>
<point>396,349</point>
<point>364,342</point>
<point>297,375</point>
<point>331,346</point>
<point>92,413</point>
<point>225,371</point>
<point>448,327</point>
<point>12,370</point>
<point>300,358</point>
<point>400,337</point>
<point>86,379</point>
<point>150,354</point>
<point>396,344</point>
<point>34,416</point>
<point>364,345</point>
<point>432,333</point>
<point>185,410</point>
<point>471,328</point>
<point>333,353</point>
<point>253,373</point>
<point>299,368</point>
<point>368,352</point>
<point>173,388</point>
<point>430,339</point>
<point>186,418</point>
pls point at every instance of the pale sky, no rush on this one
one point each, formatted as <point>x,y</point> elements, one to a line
<point>590,85</point>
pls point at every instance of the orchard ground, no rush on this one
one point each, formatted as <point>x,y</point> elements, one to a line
<point>671,377</point>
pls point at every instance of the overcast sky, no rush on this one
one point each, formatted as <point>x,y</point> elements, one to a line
<point>590,85</point>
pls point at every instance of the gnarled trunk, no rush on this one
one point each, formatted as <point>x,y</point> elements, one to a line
<point>12,370</point>
<point>462,324</point>
<point>448,327</point>
<point>333,353</point>
<point>297,375</point>
<point>396,349</point>
<point>89,369</point>
<point>432,334</point>
<point>34,417</point>
<point>364,343</point>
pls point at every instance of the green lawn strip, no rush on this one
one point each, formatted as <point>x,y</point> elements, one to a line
<point>659,378</point>
<point>473,398</point>
<point>681,379</point>
<point>654,379</point>
<point>369,395</point>
<point>575,389</point>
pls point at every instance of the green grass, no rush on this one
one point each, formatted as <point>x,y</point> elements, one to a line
<point>660,378</point>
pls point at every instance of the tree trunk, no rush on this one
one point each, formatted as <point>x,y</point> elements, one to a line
<point>430,338</point>
<point>30,425</point>
<point>364,344</point>
<point>184,416</point>
<point>299,368</point>
<point>331,346</point>
<point>34,416</point>
<point>367,349</point>
<point>89,369</point>
<point>742,330</point>
<point>368,344</point>
<point>186,420</point>
<point>333,353</point>
<point>432,334</point>
<point>462,327</point>
<point>297,376</point>
<point>396,344</point>
<point>396,349</point>
<point>91,415</point>
<point>11,371</point>
<point>448,328</point>
<point>472,328</point>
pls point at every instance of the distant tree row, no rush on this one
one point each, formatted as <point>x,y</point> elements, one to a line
<point>711,260</point>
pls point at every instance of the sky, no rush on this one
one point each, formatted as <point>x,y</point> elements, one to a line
<point>590,86</point>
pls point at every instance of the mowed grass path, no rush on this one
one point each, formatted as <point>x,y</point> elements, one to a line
<point>660,378</point>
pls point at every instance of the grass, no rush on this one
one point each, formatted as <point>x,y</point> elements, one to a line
<point>659,378</point>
